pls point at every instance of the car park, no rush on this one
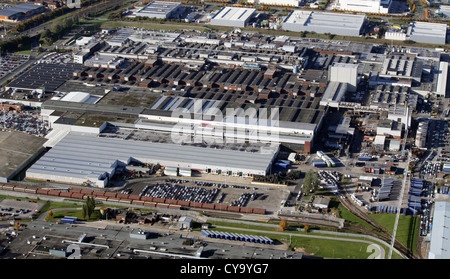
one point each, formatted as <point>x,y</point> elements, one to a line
<point>178,192</point>
<point>24,121</point>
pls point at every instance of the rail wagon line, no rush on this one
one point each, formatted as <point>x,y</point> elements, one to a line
<point>105,196</point>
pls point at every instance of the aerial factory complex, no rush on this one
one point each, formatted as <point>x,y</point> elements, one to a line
<point>185,129</point>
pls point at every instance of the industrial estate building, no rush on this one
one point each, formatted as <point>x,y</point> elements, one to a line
<point>427,32</point>
<point>439,244</point>
<point>84,158</point>
<point>366,6</point>
<point>233,16</point>
<point>182,86</point>
<point>21,11</point>
<point>161,9</point>
<point>292,3</point>
<point>322,22</point>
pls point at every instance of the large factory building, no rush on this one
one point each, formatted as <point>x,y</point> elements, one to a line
<point>322,22</point>
<point>86,158</point>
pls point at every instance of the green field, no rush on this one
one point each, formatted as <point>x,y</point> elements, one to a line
<point>74,213</point>
<point>317,247</point>
<point>407,230</point>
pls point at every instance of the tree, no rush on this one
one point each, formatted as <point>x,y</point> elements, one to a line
<point>311,182</point>
<point>283,225</point>
<point>56,28</point>
<point>88,207</point>
<point>67,24</point>
<point>306,228</point>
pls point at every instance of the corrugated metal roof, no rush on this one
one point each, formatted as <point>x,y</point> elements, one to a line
<point>79,155</point>
<point>440,233</point>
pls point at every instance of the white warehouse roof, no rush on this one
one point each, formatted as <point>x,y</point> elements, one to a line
<point>158,9</point>
<point>427,32</point>
<point>233,16</point>
<point>322,22</point>
<point>84,156</point>
<point>440,244</point>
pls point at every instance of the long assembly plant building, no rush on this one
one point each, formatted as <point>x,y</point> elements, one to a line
<point>321,22</point>
<point>84,158</point>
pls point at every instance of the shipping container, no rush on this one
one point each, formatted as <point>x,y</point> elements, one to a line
<point>77,196</point>
<point>208,205</point>
<point>101,198</point>
<point>183,203</point>
<point>165,205</point>
<point>206,233</point>
<point>98,193</point>
<point>159,200</point>
<point>174,206</point>
<point>281,165</point>
<point>113,199</point>
<point>87,192</point>
<point>65,194</point>
<point>8,187</point>
<point>67,221</point>
<point>110,194</point>
<point>195,204</point>
<point>53,193</point>
<point>150,203</point>
<point>138,202</point>
<point>134,197</point>
<point>19,188</point>
<point>127,201</point>
<point>222,207</point>
<point>144,198</point>
<point>259,211</point>
<point>30,190</point>
<point>233,208</point>
<point>122,196</point>
<point>246,210</point>
<point>171,201</point>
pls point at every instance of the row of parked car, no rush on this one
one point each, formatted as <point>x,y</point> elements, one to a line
<point>10,62</point>
<point>179,192</point>
<point>431,168</point>
<point>27,122</point>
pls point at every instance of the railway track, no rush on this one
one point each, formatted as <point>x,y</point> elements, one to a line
<point>380,231</point>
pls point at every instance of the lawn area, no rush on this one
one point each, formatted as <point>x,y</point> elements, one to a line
<point>78,213</point>
<point>317,247</point>
<point>350,217</point>
<point>407,230</point>
<point>332,248</point>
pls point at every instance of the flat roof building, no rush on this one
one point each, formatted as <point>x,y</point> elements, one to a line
<point>161,9</point>
<point>79,158</point>
<point>441,87</point>
<point>16,13</point>
<point>334,93</point>
<point>322,22</point>
<point>292,3</point>
<point>366,6</point>
<point>427,32</point>
<point>233,16</point>
<point>440,244</point>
